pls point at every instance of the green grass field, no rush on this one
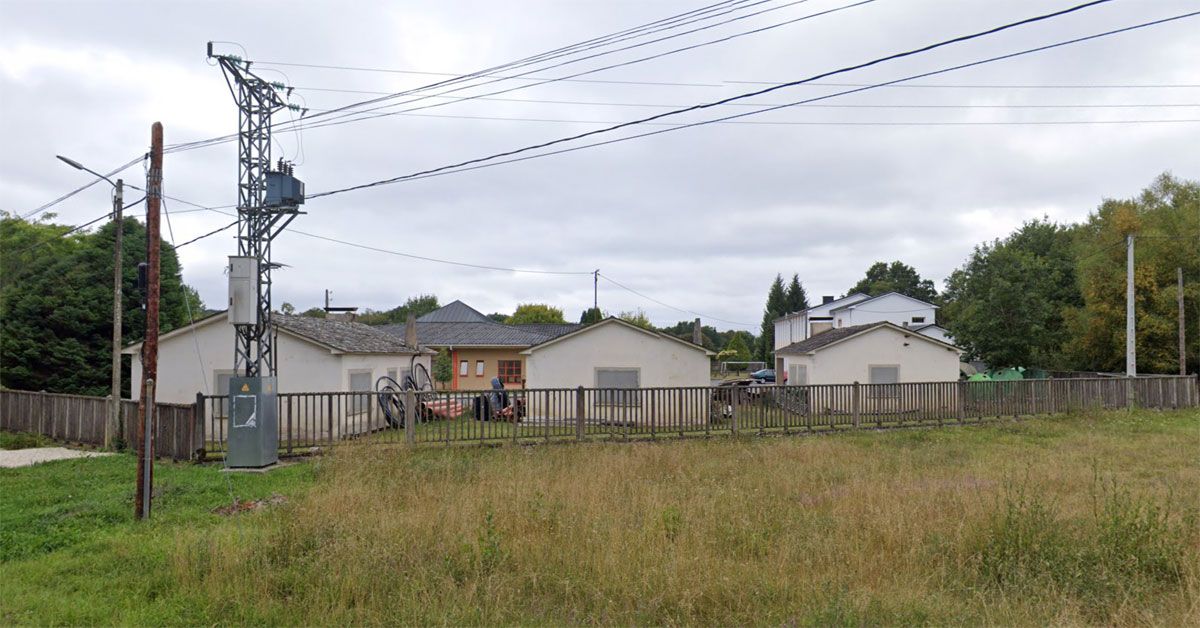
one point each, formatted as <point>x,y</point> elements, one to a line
<point>1081,519</point>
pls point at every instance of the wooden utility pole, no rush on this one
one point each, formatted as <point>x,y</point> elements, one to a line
<point>113,426</point>
<point>1182,325</point>
<point>145,470</point>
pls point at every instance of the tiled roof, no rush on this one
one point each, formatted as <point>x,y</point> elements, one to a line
<point>343,335</point>
<point>826,338</point>
<point>549,330</point>
<point>455,312</point>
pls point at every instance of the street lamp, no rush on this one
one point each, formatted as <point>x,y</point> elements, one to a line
<point>114,412</point>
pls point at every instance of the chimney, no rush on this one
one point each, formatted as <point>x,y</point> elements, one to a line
<point>410,331</point>
<point>697,336</point>
<point>826,299</point>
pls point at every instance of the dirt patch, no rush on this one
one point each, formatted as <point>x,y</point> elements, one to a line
<point>247,505</point>
<point>12,458</point>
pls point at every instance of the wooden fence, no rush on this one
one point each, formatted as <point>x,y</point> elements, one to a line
<point>80,419</point>
<point>308,420</point>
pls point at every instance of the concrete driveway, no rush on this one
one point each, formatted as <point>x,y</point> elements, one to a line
<point>12,458</point>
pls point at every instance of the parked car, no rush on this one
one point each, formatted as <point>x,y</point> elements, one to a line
<point>763,375</point>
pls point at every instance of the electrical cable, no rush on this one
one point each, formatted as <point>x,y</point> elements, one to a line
<point>478,162</point>
<point>434,259</point>
<point>363,114</point>
<point>360,115</point>
<point>550,55</point>
<point>821,122</point>
<point>602,103</point>
<point>668,305</point>
<point>76,228</point>
<point>210,233</point>
<point>657,25</point>
<point>68,195</point>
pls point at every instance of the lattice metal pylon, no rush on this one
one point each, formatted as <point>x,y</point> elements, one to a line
<point>258,224</point>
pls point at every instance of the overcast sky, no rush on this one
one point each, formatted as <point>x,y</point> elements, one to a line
<point>701,218</point>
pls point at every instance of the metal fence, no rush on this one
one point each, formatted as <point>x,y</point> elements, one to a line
<point>308,420</point>
<point>80,419</point>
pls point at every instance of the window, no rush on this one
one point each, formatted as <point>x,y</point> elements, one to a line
<point>918,319</point>
<point>360,381</point>
<point>510,371</point>
<point>479,368</point>
<point>797,375</point>
<point>612,381</point>
<point>392,374</point>
<point>885,375</point>
<point>462,368</point>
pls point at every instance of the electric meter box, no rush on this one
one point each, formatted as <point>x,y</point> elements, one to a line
<point>283,190</point>
<point>253,422</point>
<point>243,290</point>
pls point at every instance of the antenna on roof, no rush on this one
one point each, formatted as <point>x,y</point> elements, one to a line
<point>330,309</point>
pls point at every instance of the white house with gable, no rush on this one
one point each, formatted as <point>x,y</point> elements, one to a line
<point>872,353</point>
<point>856,310</point>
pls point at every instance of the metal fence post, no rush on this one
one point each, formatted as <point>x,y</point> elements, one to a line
<point>410,416</point>
<point>734,401</point>
<point>856,404</point>
<point>579,412</point>
<point>196,445</point>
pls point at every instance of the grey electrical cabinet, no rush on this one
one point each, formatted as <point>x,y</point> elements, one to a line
<point>253,422</point>
<point>243,290</point>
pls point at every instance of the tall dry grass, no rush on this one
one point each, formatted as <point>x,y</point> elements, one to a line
<point>1084,520</point>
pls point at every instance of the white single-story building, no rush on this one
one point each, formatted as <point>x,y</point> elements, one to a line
<point>874,353</point>
<point>312,355</point>
<point>616,354</point>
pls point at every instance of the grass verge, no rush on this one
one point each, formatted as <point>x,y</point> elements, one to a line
<point>1077,519</point>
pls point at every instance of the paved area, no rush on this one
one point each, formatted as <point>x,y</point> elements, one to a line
<point>12,458</point>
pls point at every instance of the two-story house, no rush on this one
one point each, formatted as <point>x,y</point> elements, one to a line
<point>854,310</point>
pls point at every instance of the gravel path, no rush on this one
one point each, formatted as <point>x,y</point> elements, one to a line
<point>12,458</point>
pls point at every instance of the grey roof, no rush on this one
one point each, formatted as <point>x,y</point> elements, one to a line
<point>549,330</point>
<point>343,335</point>
<point>455,312</point>
<point>826,338</point>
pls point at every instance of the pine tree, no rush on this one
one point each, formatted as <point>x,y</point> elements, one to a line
<point>776,306</point>
<point>797,300</point>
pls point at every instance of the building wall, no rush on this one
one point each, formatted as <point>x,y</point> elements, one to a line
<point>849,361</point>
<point>491,367</point>
<point>937,333</point>
<point>892,308</point>
<point>790,330</point>
<point>302,366</point>
<point>573,361</point>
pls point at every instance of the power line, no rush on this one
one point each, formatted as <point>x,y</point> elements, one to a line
<point>79,189</point>
<point>478,162</point>
<point>598,54</point>
<point>822,122</point>
<point>76,228</point>
<point>656,26</point>
<point>999,86</point>
<point>440,261</point>
<point>347,118</point>
<point>603,103</point>
<point>210,233</point>
<point>668,305</point>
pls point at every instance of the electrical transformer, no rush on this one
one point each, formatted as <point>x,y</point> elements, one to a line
<point>284,190</point>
